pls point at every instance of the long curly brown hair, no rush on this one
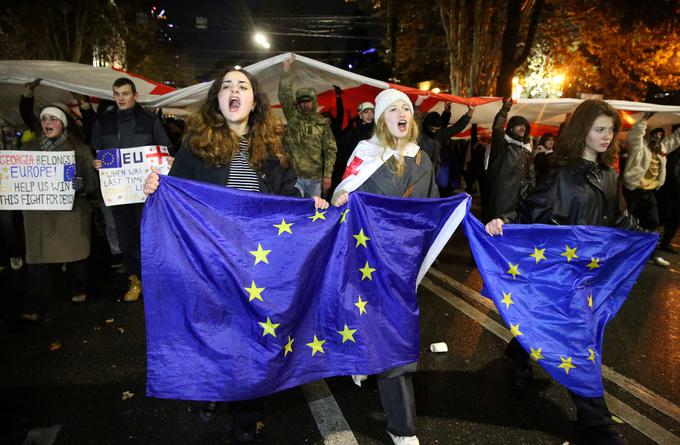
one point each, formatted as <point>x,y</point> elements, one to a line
<point>572,140</point>
<point>210,138</point>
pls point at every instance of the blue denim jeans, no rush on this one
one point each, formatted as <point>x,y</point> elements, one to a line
<point>308,187</point>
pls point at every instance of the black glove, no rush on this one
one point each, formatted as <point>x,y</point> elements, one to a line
<point>78,184</point>
<point>507,103</point>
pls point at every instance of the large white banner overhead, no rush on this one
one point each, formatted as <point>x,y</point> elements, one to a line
<point>60,77</point>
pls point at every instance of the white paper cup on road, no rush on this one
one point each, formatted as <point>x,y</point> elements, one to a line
<point>439,347</point>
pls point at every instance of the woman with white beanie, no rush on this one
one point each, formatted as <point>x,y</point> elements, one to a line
<point>57,237</point>
<point>391,164</point>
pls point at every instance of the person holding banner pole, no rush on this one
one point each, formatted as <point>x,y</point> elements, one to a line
<point>55,237</point>
<point>127,126</point>
<point>233,141</point>
<point>391,164</point>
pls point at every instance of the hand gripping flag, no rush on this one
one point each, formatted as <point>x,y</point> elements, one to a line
<point>556,287</point>
<point>248,294</point>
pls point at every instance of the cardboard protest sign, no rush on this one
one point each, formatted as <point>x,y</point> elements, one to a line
<point>37,180</point>
<point>124,170</point>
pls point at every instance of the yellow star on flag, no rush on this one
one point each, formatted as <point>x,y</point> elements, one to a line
<point>260,254</point>
<point>317,346</point>
<point>254,292</point>
<point>361,304</point>
<point>361,239</point>
<point>288,347</point>
<point>283,227</point>
<point>569,253</point>
<point>536,354</point>
<point>590,301</point>
<point>347,334</point>
<point>566,364</point>
<point>268,327</point>
<point>514,270</point>
<point>514,330</point>
<point>317,215</point>
<point>343,218</point>
<point>366,272</point>
<point>591,357</point>
<point>594,263</point>
<point>507,300</point>
<point>538,254</point>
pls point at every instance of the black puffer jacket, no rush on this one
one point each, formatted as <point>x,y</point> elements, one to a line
<point>583,194</point>
<point>272,177</point>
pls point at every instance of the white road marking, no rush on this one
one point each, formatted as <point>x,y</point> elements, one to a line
<point>647,427</point>
<point>329,419</point>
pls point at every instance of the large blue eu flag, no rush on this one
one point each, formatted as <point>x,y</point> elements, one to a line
<point>247,294</point>
<point>556,287</point>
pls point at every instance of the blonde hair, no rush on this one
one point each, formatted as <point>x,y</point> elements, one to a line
<point>388,141</point>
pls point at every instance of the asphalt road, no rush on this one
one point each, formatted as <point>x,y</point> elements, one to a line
<point>73,369</point>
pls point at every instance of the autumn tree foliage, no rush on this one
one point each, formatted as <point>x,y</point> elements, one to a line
<point>474,45</point>
<point>615,48</point>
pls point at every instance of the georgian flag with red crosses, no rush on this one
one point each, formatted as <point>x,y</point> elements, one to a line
<point>364,161</point>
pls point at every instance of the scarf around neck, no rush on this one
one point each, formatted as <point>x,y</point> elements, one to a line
<point>53,144</point>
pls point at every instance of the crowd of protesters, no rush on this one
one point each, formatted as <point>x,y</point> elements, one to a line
<point>514,175</point>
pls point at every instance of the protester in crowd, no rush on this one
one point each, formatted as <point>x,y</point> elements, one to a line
<point>645,173</point>
<point>581,189</point>
<point>669,194</point>
<point>233,141</point>
<point>54,238</point>
<point>335,122</point>
<point>83,120</point>
<point>436,136</point>
<point>404,172</point>
<point>128,125</point>
<point>310,143</point>
<point>542,154</point>
<point>351,138</point>
<point>510,174</point>
<point>476,167</point>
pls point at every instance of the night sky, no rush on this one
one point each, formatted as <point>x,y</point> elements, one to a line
<point>332,31</point>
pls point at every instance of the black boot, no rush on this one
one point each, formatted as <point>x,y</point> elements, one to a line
<point>601,435</point>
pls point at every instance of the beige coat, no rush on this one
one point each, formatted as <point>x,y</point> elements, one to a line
<point>62,236</point>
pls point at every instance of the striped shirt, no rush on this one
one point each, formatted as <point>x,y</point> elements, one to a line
<point>241,175</point>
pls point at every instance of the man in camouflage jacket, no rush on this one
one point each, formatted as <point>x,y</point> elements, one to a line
<point>309,141</point>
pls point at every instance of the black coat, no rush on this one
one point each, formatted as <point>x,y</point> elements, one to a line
<point>510,175</point>
<point>272,177</point>
<point>135,127</point>
<point>582,194</point>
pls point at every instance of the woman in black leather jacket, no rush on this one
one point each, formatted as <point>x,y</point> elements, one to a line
<point>582,188</point>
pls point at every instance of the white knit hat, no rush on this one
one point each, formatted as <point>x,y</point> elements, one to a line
<point>365,106</point>
<point>56,112</point>
<point>387,98</point>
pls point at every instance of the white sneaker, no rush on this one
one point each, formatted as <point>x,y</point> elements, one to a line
<point>404,440</point>
<point>16,263</point>
<point>661,262</point>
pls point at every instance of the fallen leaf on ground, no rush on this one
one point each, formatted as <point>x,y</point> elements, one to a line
<point>127,395</point>
<point>55,345</point>
<point>110,320</point>
<point>121,330</point>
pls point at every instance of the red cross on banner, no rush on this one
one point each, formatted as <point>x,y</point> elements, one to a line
<point>158,154</point>
<point>353,167</point>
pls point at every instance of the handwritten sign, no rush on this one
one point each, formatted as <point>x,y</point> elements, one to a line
<point>37,180</point>
<point>124,171</point>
